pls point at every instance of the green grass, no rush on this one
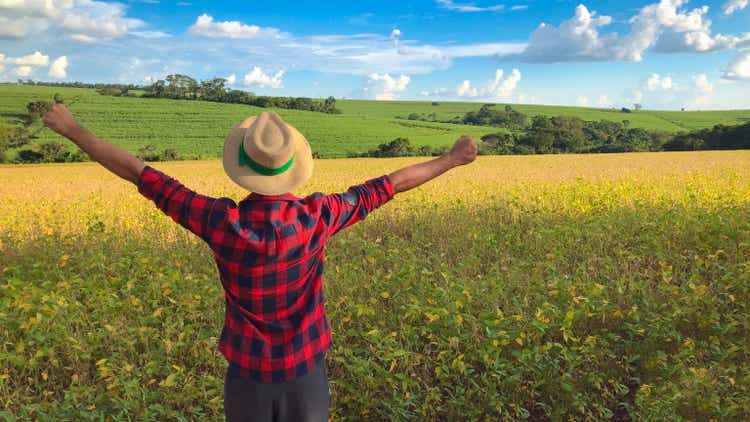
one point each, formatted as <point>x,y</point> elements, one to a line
<point>198,128</point>
<point>671,121</point>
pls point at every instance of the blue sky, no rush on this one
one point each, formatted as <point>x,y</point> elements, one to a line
<point>664,54</point>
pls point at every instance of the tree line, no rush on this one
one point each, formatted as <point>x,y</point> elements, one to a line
<point>569,134</point>
<point>184,87</point>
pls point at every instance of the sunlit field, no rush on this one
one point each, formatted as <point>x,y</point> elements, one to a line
<point>542,287</point>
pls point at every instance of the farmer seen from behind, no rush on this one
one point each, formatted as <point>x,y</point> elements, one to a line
<point>269,250</point>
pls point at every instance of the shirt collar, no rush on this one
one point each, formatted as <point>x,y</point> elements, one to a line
<point>283,197</point>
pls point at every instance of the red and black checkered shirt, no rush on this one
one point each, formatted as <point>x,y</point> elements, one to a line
<point>269,251</point>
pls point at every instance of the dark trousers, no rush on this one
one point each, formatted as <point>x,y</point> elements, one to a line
<point>303,399</point>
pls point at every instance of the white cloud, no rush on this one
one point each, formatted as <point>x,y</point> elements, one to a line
<point>35,59</point>
<point>739,67</point>
<point>701,92</point>
<point>634,97</point>
<point>498,88</point>
<point>664,27</point>
<point>365,54</point>
<point>58,69</point>
<point>151,34</point>
<point>576,39</point>
<point>603,101</point>
<point>450,5</point>
<point>231,79</point>
<point>582,101</point>
<point>524,98</point>
<point>258,78</point>
<point>95,21</point>
<point>23,71</point>
<point>466,90</point>
<point>702,85</point>
<point>658,91</point>
<point>81,20</point>
<point>503,88</point>
<point>24,65</point>
<point>207,27</point>
<point>395,35</point>
<point>434,92</point>
<point>386,87</point>
<point>44,8</point>
<point>19,27</point>
<point>732,6</point>
<point>656,82</point>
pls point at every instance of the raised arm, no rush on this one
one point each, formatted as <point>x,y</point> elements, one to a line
<point>119,162</point>
<point>464,151</point>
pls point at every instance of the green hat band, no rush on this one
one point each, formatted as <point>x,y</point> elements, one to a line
<point>245,160</point>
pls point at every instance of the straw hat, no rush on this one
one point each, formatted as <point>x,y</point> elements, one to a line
<point>263,154</point>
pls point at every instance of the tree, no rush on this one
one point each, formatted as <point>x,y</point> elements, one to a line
<point>637,106</point>
<point>13,137</point>
<point>157,89</point>
<point>684,142</point>
<point>213,89</point>
<point>29,156</point>
<point>148,153</point>
<point>497,143</point>
<point>37,109</point>
<point>53,152</point>
<point>329,106</point>
<point>399,147</point>
<point>178,86</point>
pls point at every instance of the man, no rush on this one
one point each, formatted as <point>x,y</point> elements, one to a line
<point>269,249</point>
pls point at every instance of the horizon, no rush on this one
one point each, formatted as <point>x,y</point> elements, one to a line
<point>401,100</point>
<point>665,55</point>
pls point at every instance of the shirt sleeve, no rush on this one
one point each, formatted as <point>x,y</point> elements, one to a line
<point>186,207</point>
<point>341,210</point>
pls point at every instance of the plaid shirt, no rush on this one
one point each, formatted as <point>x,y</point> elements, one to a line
<point>269,251</point>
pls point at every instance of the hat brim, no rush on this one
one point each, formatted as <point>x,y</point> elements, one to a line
<point>298,173</point>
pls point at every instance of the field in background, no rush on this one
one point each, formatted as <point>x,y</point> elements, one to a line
<point>670,121</point>
<point>587,287</point>
<point>197,128</point>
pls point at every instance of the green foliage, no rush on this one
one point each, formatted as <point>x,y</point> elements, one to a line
<point>150,153</point>
<point>37,109</point>
<point>399,147</point>
<point>718,137</point>
<point>497,144</point>
<point>114,90</point>
<point>13,137</point>
<point>50,152</point>
<point>183,87</point>
<point>53,152</point>
<point>489,116</point>
<point>669,121</point>
<point>28,156</point>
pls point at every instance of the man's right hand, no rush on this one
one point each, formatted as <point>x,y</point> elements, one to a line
<point>464,151</point>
